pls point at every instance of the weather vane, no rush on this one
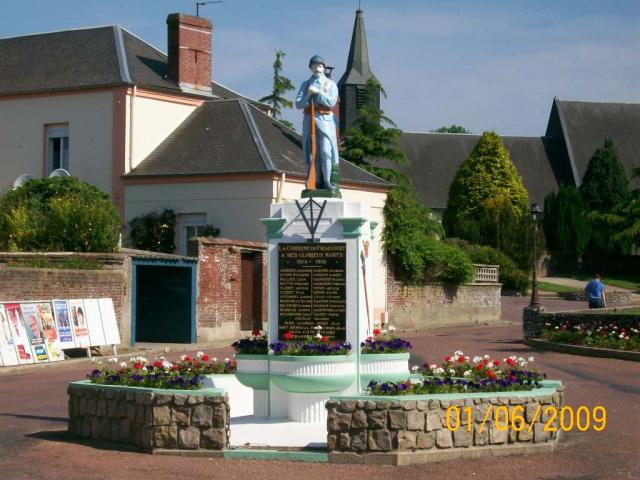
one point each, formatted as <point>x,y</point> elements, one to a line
<point>199,4</point>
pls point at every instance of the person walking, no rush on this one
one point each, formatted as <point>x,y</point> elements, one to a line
<point>595,293</point>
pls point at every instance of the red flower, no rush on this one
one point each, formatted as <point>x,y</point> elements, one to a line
<point>157,364</point>
<point>479,367</point>
<point>447,358</point>
<point>288,336</point>
<point>511,362</point>
<point>204,358</point>
<point>175,368</point>
<point>325,339</point>
<point>496,362</point>
<point>255,333</point>
<point>461,359</point>
<point>187,358</point>
<point>377,331</point>
<point>137,365</point>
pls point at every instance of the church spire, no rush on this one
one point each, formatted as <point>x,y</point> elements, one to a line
<point>352,82</point>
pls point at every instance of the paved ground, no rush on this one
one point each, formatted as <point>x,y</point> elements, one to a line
<point>33,414</point>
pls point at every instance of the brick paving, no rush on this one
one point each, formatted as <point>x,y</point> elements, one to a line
<point>33,415</point>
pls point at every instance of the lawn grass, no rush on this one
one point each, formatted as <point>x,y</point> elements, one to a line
<point>554,287</point>
<point>627,311</point>
<point>628,283</point>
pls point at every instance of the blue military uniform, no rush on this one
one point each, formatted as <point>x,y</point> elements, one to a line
<point>326,139</point>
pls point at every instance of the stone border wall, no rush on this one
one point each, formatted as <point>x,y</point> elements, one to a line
<point>397,431</point>
<point>533,321</point>
<point>613,296</point>
<point>149,419</point>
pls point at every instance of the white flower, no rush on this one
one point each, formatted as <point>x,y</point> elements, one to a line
<point>438,371</point>
<point>162,357</point>
<point>199,354</point>
<point>383,332</point>
<point>182,357</point>
<point>123,364</point>
<point>468,373</point>
<point>458,353</point>
<point>452,371</point>
<point>477,359</point>
<point>531,359</point>
<point>144,369</point>
<point>415,368</point>
<point>392,328</point>
<point>621,336</point>
<point>166,365</point>
<point>318,335</point>
<point>93,359</point>
<point>113,360</point>
<point>226,359</point>
<point>487,357</point>
<point>377,323</point>
<point>433,366</point>
<point>132,359</point>
<point>215,359</point>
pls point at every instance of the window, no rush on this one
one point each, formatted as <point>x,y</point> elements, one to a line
<point>57,147</point>
<point>190,226</point>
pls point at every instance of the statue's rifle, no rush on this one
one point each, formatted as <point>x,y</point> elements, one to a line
<point>311,184</point>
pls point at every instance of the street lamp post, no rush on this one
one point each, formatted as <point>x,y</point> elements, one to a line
<point>535,212</point>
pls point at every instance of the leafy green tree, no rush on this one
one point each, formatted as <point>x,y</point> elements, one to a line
<point>452,129</point>
<point>412,236</point>
<point>60,214</point>
<point>605,183</point>
<point>281,85</point>
<point>487,202</point>
<point>369,141</point>
<point>565,223</point>
<point>155,232</point>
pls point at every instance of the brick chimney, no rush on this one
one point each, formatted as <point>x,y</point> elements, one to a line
<point>189,52</point>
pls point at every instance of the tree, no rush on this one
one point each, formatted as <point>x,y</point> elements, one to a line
<point>281,85</point>
<point>605,183</point>
<point>452,129</point>
<point>565,221</point>
<point>154,231</point>
<point>369,141</point>
<point>60,214</point>
<point>485,185</point>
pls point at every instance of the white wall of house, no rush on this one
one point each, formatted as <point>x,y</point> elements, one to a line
<point>152,121</point>
<point>23,142</point>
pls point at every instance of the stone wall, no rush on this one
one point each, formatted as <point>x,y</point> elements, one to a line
<point>534,322</point>
<point>436,305</point>
<point>397,431</point>
<point>220,282</point>
<point>23,284</point>
<point>149,419</point>
<point>613,296</point>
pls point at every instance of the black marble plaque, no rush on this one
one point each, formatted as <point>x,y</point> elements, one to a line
<point>312,281</point>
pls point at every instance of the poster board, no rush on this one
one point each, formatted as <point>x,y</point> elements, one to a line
<point>109,321</point>
<point>79,323</point>
<point>50,332</point>
<point>33,326</point>
<point>94,322</point>
<point>20,339</point>
<point>8,353</point>
<point>63,322</point>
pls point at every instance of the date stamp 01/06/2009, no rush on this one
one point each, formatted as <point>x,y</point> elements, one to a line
<point>515,418</point>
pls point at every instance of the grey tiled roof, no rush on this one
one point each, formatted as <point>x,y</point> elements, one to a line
<point>86,58</point>
<point>232,136</point>
<point>436,157</point>
<point>588,124</point>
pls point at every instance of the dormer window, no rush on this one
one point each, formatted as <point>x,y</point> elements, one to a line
<point>57,146</point>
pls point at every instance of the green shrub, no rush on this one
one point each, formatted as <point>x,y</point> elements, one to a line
<point>58,214</point>
<point>511,277</point>
<point>565,222</point>
<point>605,183</point>
<point>154,232</point>
<point>412,238</point>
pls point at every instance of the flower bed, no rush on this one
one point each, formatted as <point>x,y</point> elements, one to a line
<point>318,346</point>
<point>185,374</point>
<point>593,333</point>
<point>380,343</point>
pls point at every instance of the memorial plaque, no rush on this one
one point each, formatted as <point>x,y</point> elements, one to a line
<point>312,279</point>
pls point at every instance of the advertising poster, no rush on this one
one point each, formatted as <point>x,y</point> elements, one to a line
<point>8,353</point>
<point>109,322</point>
<point>34,331</point>
<point>19,333</point>
<point>79,323</point>
<point>50,331</point>
<point>63,322</point>
<point>94,321</point>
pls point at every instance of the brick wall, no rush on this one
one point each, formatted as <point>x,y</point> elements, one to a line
<point>28,284</point>
<point>219,299</point>
<point>435,305</point>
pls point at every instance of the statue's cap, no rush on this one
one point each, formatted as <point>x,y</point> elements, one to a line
<point>317,59</point>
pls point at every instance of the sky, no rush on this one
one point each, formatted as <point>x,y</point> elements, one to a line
<point>483,64</point>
